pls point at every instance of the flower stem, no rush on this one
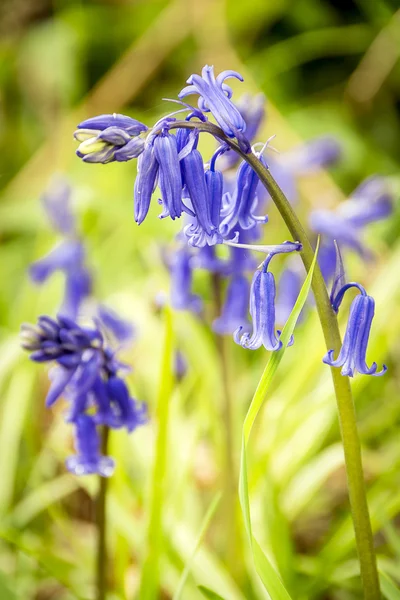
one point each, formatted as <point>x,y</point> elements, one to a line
<point>101,519</point>
<point>345,404</point>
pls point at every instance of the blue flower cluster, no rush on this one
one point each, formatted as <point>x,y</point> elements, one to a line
<point>89,376</point>
<point>222,201</point>
<point>86,370</point>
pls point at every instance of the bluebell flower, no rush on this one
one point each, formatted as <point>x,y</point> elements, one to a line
<point>207,259</point>
<point>239,209</point>
<point>89,376</point>
<point>88,459</point>
<point>121,330</point>
<point>312,155</point>
<point>201,192</point>
<point>308,157</point>
<point>352,355</point>
<point>371,201</point>
<point>182,297</point>
<point>57,204</point>
<point>262,308</point>
<point>146,181</point>
<point>108,138</point>
<point>262,311</point>
<point>252,109</point>
<point>235,309</point>
<point>215,97</point>
<point>170,179</point>
<point>69,258</point>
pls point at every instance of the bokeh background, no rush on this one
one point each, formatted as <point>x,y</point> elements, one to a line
<point>325,67</point>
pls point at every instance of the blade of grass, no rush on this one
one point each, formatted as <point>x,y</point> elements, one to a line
<point>207,593</point>
<point>271,580</point>
<point>389,588</point>
<point>155,537</point>
<point>204,526</point>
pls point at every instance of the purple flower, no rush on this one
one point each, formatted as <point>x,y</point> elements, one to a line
<point>120,329</point>
<point>195,184</point>
<point>108,138</point>
<point>262,305</point>
<point>88,375</point>
<point>204,192</point>
<point>215,97</point>
<point>146,181</point>
<point>352,355</point>
<point>235,309</point>
<point>182,297</point>
<point>170,179</point>
<point>252,109</point>
<point>240,207</point>
<point>312,155</point>
<point>69,258</point>
<point>57,204</point>
<point>262,311</point>
<point>370,202</point>
<point>88,460</point>
<point>127,413</point>
<point>206,258</point>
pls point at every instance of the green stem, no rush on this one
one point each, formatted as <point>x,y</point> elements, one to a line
<point>101,557</point>
<point>330,328</point>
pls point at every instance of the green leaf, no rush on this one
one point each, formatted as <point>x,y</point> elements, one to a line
<point>388,587</point>
<point>6,585</point>
<point>155,537</point>
<point>209,593</point>
<point>204,526</point>
<point>270,578</point>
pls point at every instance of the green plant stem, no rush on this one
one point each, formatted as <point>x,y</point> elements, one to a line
<point>101,519</point>
<point>330,328</point>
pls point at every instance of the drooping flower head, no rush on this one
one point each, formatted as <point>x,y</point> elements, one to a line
<point>370,202</point>
<point>182,297</point>
<point>352,355</point>
<point>90,377</point>
<point>69,257</point>
<point>262,306</point>
<point>239,208</point>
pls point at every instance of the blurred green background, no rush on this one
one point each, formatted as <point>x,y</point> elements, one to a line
<point>326,67</point>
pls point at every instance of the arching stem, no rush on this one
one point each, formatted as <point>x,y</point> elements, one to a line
<point>330,328</point>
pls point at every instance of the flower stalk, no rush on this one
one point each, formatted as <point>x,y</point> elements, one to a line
<point>101,521</point>
<point>330,328</point>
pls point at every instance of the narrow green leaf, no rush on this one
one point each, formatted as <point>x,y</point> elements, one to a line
<point>270,578</point>
<point>6,592</point>
<point>209,593</point>
<point>204,526</point>
<point>389,589</point>
<point>155,537</point>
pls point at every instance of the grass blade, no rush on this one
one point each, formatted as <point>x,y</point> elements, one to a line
<point>205,524</point>
<point>151,569</point>
<point>389,588</point>
<point>207,593</point>
<point>270,578</point>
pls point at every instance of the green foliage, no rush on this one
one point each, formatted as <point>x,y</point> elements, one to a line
<point>62,61</point>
